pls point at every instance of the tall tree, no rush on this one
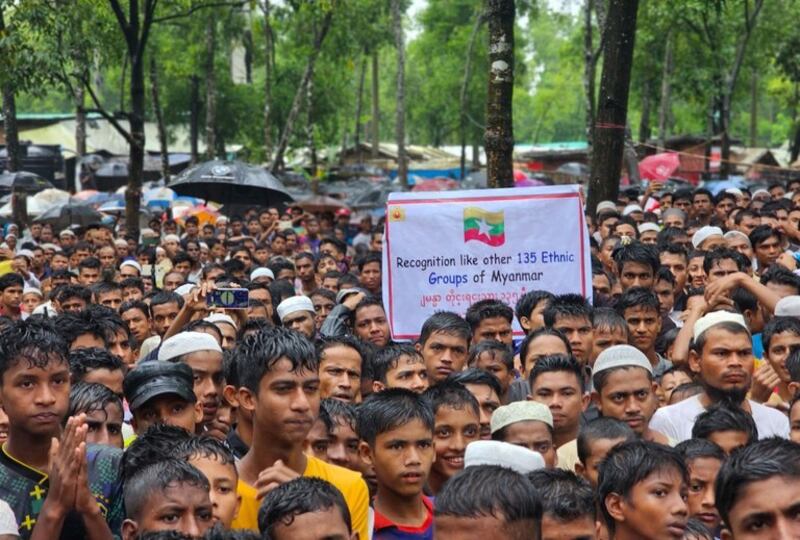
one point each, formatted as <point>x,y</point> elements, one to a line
<point>211,87</point>
<point>162,130</point>
<point>480,19</point>
<point>400,122</point>
<point>612,103</point>
<point>499,135</point>
<point>376,109</point>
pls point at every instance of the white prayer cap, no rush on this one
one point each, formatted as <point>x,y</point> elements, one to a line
<point>735,191</point>
<point>28,254</point>
<point>294,304</point>
<point>621,356</point>
<point>736,234</point>
<point>215,318</point>
<point>606,205</point>
<point>48,245</point>
<point>761,191</point>
<point>120,242</point>
<point>714,318</point>
<point>221,220</point>
<point>186,343</point>
<point>704,233</point>
<point>132,264</point>
<point>647,226</point>
<point>520,411</point>
<point>66,232</point>
<point>631,208</point>
<point>32,290</point>
<point>503,454</point>
<point>788,306</point>
<point>172,238</point>
<point>261,272</point>
<point>185,289</point>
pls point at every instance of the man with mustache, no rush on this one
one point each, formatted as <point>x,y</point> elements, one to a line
<point>722,357</point>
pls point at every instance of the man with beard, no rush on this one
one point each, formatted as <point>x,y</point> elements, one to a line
<point>722,357</point>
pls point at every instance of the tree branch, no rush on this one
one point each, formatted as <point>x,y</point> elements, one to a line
<point>236,3</point>
<point>123,22</point>
<point>147,24</point>
<point>108,116</point>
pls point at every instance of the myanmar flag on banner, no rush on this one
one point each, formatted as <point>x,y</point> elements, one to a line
<point>483,226</point>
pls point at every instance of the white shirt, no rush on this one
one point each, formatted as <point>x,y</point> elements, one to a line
<point>8,523</point>
<point>676,421</point>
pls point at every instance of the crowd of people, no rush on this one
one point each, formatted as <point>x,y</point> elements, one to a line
<point>136,407</point>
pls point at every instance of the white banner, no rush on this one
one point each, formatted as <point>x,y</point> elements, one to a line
<point>444,251</point>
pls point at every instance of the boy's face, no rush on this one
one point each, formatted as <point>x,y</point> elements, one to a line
<point>496,328</point>
<point>655,508</point>
<point>286,404</point>
<point>779,348</point>
<point>605,337</point>
<point>598,449</point>
<point>340,374</point>
<point>490,361</point>
<point>488,401</point>
<point>561,392</point>
<point>644,324</point>
<point>582,528</point>
<point>628,395</point>
<point>322,525</point>
<point>108,378</point>
<point>454,430</point>
<point>180,507</point>
<point>223,479</point>
<point>443,354</point>
<point>36,398</point>
<point>402,458</point>
<point>729,440</point>
<point>536,318</point>
<point>579,333</point>
<point>410,373</point>
<point>169,409</point>
<point>670,382</point>
<point>208,381</point>
<point>534,436</point>
<point>105,426</point>
<point>343,446</point>
<point>766,509</point>
<point>542,346</point>
<point>702,474</point>
<point>317,440</point>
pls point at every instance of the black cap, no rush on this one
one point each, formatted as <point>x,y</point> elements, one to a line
<point>150,379</point>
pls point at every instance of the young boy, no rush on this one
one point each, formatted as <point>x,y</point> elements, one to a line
<point>399,366</point>
<point>703,458</point>
<point>495,358</point>
<point>307,508</point>
<point>167,495</point>
<point>594,442</point>
<point>396,430</point>
<point>485,388</point>
<point>569,504</point>
<point>490,319</point>
<point>728,427</point>
<point>279,374</point>
<point>216,462</point>
<point>444,344</point>
<point>530,308</point>
<point>457,416</point>
<point>94,365</point>
<point>572,315</point>
<point>528,424</point>
<point>642,491</point>
<point>670,380</point>
<point>758,492</point>
<point>103,410</point>
<point>640,309</point>
<point>609,329</point>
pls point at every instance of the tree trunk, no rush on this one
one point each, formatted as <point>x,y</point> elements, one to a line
<point>80,121</point>
<point>612,104</point>
<point>589,69</point>
<point>666,88</point>
<point>194,118</point>
<point>360,100</point>
<point>631,159</point>
<point>376,111</point>
<point>13,161</point>
<point>479,20</point>
<point>162,131</point>
<point>268,50</point>
<point>644,121</point>
<point>312,146</point>
<point>795,147</point>
<point>499,135</point>
<point>400,123</point>
<point>277,161</point>
<point>754,109</point>
<point>211,88</point>
<point>133,193</point>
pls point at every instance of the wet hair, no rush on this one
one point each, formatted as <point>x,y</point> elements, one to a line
<point>253,325</point>
<point>673,249</point>
<point>297,497</point>
<point>327,342</point>
<point>453,395</point>
<point>637,297</point>
<point>164,297</point>
<point>258,353</point>
<point>89,262</point>
<point>89,397</point>
<point>156,443</point>
<point>278,264</point>
<point>779,325</point>
<point>724,417</point>
<point>487,309</point>
<point>692,449</point>
<point>135,304</point>
<point>103,287</point>
<point>636,252</point>
<point>757,462</point>
<point>490,490</point>
<point>544,331</point>
<point>445,322</point>
<point>391,409</point>
<point>565,496</point>
<point>714,257</point>
<point>478,377</point>
<point>567,305</point>
<point>11,280</point>
<point>608,319</point>
<point>369,258</point>
<point>335,412</point>
<point>495,349</point>
<point>528,302</point>
<point>687,390</point>
<point>204,446</point>
<point>82,361</point>
<point>34,341</point>
<point>603,427</point>
<point>763,233</point>
<point>387,358</point>
<point>781,276</point>
<point>66,292</point>
<point>325,293</point>
<point>696,530</point>
<point>630,463</point>
<point>558,362</point>
<point>159,476</point>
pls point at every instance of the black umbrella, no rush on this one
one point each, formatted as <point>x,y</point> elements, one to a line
<point>23,181</point>
<point>231,182</point>
<point>70,213</point>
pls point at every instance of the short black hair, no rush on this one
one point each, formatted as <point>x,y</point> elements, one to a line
<point>558,362</point>
<point>158,476</point>
<point>390,409</point>
<point>487,309</point>
<point>334,412</point>
<point>82,361</point>
<point>156,443</point>
<point>34,341</point>
<point>135,304</point>
<point>496,349</point>
<point>451,394</point>
<point>544,331</point>
<point>757,462</point>
<point>696,530</point>
<point>636,252</point>
<point>324,343</point>
<point>11,280</point>
<point>779,325</point>
<point>89,262</point>
<point>606,318</point>
<point>89,397</point>
<point>714,257</point>
<point>567,305</point>
<point>673,249</point>
<point>781,276</point>
<point>103,287</point>
<point>630,463</point>
<point>565,496</point>
<point>297,497</point>
<point>762,233</point>
<point>72,291</point>
<point>692,449</point>
<point>386,359</point>
<point>369,258</point>
<point>528,302</point>
<point>445,322</point>
<point>165,297</point>
<point>204,446</point>
<point>724,416</point>
<point>258,353</point>
<point>478,377</point>
<point>599,428</point>
<point>637,297</point>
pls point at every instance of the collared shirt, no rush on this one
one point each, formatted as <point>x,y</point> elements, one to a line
<point>386,529</point>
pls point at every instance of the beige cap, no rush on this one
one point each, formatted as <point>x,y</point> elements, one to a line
<point>704,233</point>
<point>621,356</point>
<point>714,318</point>
<point>520,411</point>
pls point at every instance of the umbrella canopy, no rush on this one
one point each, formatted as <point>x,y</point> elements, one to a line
<point>321,203</point>
<point>659,166</point>
<point>23,181</point>
<point>64,215</point>
<point>231,182</point>
<point>573,168</point>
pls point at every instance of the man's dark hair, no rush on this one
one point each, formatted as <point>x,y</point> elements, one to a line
<point>82,361</point>
<point>528,302</point>
<point>89,262</point>
<point>182,256</point>
<point>714,257</point>
<point>673,249</point>
<point>334,412</point>
<point>565,496</point>
<point>258,353</point>
<point>665,241</point>
<point>762,460</point>
<point>34,341</point>
<point>637,297</point>
<point>367,259</point>
<point>692,449</point>
<point>326,342</point>
<point>781,276</point>
<point>90,397</point>
<point>278,264</point>
<point>156,443</point>
<point>204,446</point>
<point>636,252</point>
<point>487,309</point>
<point>132,283</point>
<point>390,409</point>
<point>558,362</point>
<point>724,417</point>
<point>11,280</point>
<point>453,395</point>
<point>135,304</point>
<point>445,322</point>
<point>367,301</point>
<point>544,331</point>
<point>66,292</point>
<point>602,427</point>
<point>779,325</point>
<point>664,274</point>
<point>495,349</point>
<point>297,497</point>
<point>567,305</point>
<point>158,476</point>
<point>164,297</point>
<point>478,377</point>
<point>386,359</point>
<point>763,233</point>
<point>608,319</point>
<point>325,293</point>
<point>340,246</point>
<point>630,463</point>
